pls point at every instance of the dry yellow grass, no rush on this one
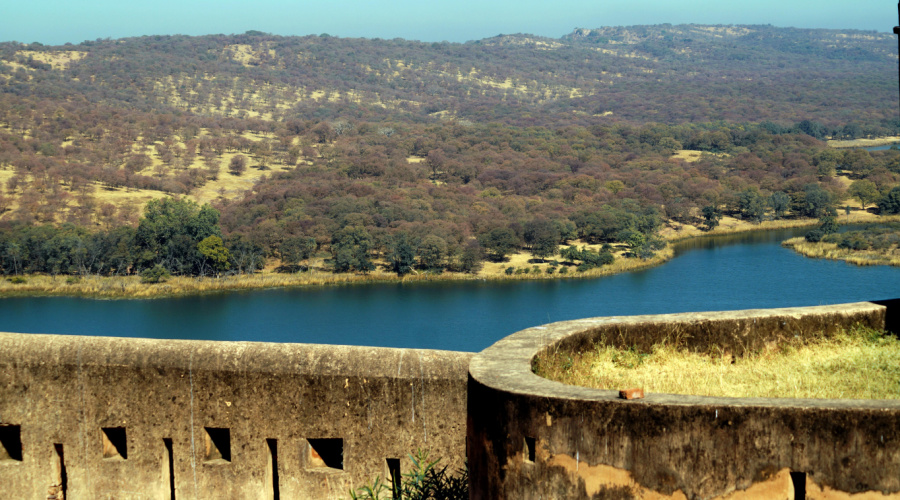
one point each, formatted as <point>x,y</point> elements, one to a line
<point>857,364</point>
<point>522,261</point>
<point>57,60</point>
<point>864,143</point>
<point>728,225</point>
<point>225,185</point>
<point>690,155</point>
<point>822,250</point>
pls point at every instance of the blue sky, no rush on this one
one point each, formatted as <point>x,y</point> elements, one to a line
<point>58,21</point>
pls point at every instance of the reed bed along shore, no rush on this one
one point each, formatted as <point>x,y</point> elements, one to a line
<point>110,287</point>
<point>822,250</point>
<point>856,364</point>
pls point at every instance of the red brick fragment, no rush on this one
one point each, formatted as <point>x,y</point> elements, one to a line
<point>635,393</point>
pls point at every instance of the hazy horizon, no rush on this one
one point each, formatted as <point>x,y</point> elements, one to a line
<point>53,22</point>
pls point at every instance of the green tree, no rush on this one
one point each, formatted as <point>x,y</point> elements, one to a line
<point>294,249</point>
<point>570,253</point>
<point>350,250</point>
<point>816,201</point>
<point>865,191</point>
<point>858,161</point>
<point>543,236</point>
<point>780,203</point>
<point>829,224</point>
<point>402,256</point>
<point>499,242</point>
<point>711,216</point>
<point>472,255</point>
<point>169,232</point>
<point>433,253</point>
<point>890,203</point>
<point>753,205</point>
<point>213,250</point>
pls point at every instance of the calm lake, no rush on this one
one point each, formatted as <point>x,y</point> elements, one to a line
<point>881,148</point>
<point>722,273</point>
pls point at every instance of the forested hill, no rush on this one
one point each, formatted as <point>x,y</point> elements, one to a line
<point>436,156</point>
<point>667,74</point>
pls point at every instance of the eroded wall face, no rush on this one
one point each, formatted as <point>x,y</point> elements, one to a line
<point>532,448</point>
<point>117,418</point>
<point>530,438</point>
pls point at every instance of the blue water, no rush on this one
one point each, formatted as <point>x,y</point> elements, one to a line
<point>743,272</point>
<point>881,148</point>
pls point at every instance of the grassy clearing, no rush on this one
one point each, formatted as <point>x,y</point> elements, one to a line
<point>692,155</point>
<point>729,225</point>
<point>856,364</point>
<point>864,143</point>
<point>823,250</point>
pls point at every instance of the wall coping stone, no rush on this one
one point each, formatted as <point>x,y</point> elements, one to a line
<point>507,364</point>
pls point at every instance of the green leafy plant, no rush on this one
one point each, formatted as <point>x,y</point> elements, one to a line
<point>426,481</point>
<point>373,492</point>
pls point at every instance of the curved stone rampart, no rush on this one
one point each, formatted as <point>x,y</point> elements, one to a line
<point>137,418</point>
<point>532,438</point>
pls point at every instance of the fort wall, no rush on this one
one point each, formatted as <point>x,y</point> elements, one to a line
<point>532,438</point>
<point>137,418</point>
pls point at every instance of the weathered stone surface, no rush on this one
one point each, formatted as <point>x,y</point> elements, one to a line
<point>380,403</point>
<point>591,444</point>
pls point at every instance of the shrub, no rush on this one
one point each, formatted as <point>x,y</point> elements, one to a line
<point>18,280</point>
<point>815,236</point>
<point>155,274</point>
<point>509,270</point>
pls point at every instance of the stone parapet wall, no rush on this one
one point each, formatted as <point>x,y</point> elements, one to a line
<point>135,418</point>
<point>532,438</point>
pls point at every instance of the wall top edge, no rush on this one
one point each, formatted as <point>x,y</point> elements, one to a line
<point>287,358</point>
<point>506,365</point>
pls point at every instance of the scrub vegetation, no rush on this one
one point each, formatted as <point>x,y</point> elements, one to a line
<point>875,245</point>
<point>856,364</point>
<point>319,159</point>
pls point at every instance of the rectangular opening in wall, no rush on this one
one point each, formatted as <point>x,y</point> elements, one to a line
<point>799,480</point>
<point>170,466</point>
<point>393,467</point>
<point>218,445</point>
<point>10,443</point>
<point>530,444</point>
<point>326,453</point>
<point>273,467</point>
<point>62,477</point>
<point>115,443</point>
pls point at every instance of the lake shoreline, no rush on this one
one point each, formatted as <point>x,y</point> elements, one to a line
<point>130,287</point>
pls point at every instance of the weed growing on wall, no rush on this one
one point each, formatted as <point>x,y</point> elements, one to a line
<point>426,481</point>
